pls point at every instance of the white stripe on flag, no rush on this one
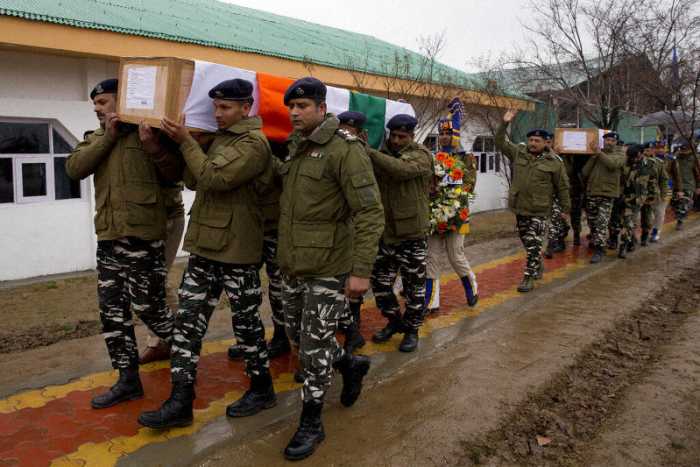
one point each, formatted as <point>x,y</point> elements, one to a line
<point>337,100</point>
<point>396,108</point>
<point>199,111</point>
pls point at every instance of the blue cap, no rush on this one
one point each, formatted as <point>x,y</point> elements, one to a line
<point>611,134</point>
<point>108,86</point>
<point>402,122</point>
<point>306,88</point>
<point>354,119</point>
<point>232,90</point>
<point>538,132</point>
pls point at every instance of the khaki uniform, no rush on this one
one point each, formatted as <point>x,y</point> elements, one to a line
<point>330,222</point>
<point>657,192</point>
<point>685,172</point>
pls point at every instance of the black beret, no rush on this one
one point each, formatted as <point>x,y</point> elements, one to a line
<point>232,90</point>
<point>611,134</point>
<point>354,119</point>
<point>306,88</point>
<point>649,145</point>
<point>108,86</point>
<point>538,132</point>
<point>402,122</point>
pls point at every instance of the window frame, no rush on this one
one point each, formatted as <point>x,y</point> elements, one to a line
<point>46,158</point>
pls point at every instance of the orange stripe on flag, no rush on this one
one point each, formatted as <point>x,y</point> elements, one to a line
<point>272,110</point>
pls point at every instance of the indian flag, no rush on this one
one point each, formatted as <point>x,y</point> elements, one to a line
<point>269,103</point>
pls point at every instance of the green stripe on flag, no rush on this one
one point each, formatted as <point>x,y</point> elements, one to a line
<point>374,109</point>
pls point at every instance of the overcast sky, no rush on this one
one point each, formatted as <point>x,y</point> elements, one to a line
<point>473,28</point>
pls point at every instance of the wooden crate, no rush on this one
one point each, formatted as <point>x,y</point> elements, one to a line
<point>151,88</point>
<point>576,140</point>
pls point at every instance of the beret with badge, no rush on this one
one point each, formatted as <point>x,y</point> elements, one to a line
<point>402,122</point>
<point>306,88</point>
<point>232,90</point>
<point>611,134</point>
<point>539,132</point>
<point>353,119</point>
<point>108,86</point>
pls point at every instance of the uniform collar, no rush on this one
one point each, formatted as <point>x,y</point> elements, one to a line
<point>244,126</point>
<point>321,134</point>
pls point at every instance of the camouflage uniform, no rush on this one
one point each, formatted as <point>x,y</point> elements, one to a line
<point>202,284</point>
<point>274,276</point>
<point>574,164</point>
<point>558,226</point>
<point>408,258</point>
<point>598,211</point>
<point>531,230</point>
<point>685,171</point>
<point>658,186</point>
<point>635,191</point>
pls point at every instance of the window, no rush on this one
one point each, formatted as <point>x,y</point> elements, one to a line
<point>491,164</point>
<point>498,162</point>
<point>33,157</point>
<point>484,144</point>
<point>431,142</point>
<point>482,165</point>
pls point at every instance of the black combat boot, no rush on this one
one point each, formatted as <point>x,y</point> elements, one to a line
<point>409,343</point>
<point>549,252</point>
<point>279,344</point>
<point>612,243</point>
<point>176,411</point>
<point>622,252</point>
<point>577,238</point>
<point>235,352</point>
<point>127,388</point>
<point>353,337</point>
<point>560,246</point>
<point>597,257</point>
<point>353,368</point>
<point>632,244</point>
<point>299,375</point>
<point>309,434</point>
<point>527,284</point>
<point>383,335</point>
<point>645,238</point>
<point>260,396</point>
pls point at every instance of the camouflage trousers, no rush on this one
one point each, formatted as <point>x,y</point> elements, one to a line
<point>681,205</point>
<point>408,258</point>
<point>630,215</point>
<point>558,226</point>
<point>647,216</point>
<point>577,201</point>
<point>131,275</point>
<point>348,319</point>
<point>598,210</point>
<point>201,287</point>
<point>531,230</point>
<point>274,276</point>
<point>617,213</point>
<point>312,309</point>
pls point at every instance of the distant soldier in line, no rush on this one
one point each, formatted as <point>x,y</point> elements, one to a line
<point>574,165</point>
<point>662,202</point>
<point>538,175</point>
<point>658,190</point>
<point>331,219</point>
<point>225,239</point>
<point>685,172</point>
<point>602,174</point>
<point>558,225</point>
<point>128,163</point>
<point>404,172</point>
<point>635,185</point>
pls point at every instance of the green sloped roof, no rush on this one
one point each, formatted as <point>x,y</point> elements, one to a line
<point>215,24</point>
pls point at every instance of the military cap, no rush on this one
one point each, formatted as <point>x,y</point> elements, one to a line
<point>538,132</point>
<point>611,134</point>
<point>682,142</point>
<point>649,145</point>
<point>108,86</point>
<point>354,119</point>
<point>306,88</point>
<point>232,90</point>
<point>402,122</point>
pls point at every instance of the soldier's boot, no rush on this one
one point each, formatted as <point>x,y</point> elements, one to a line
<point>309,434</point>
<point>299,375</point>
<point>612,243</point>
<point>472,298</point>
<point>632,244</point>
<point>654,237</point>
<point>353,337</point>
<point>383,335</point>
<point>235,352</point>
<point>128,387</point>
<point>622,252</point>
<point>279,344</point>
<point>260,396</point>
<point>409,343</point>
<point>560,246</point>
<point>527,284</point>
<point>353,368</point>
<point>679,224</point>
<point>597,255</point>
<point>549,252</point>
<point>540,271</point>
<point>175,411</point>
<point>645,238</point>
<point>577,238</point>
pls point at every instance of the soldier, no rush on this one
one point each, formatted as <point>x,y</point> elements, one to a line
<point>269,196</point>
<point>685,172</point>
<point>658,187</point>
<point>558,225</point>
<point>662,202</point>
<point>537,176</point>
<point>635,185</point>
<point>404,171</point>
<point>602,174</point>
<point>452,241</point>
<point>128,163</point>
<point>331,219</point>
<point>224,238</point>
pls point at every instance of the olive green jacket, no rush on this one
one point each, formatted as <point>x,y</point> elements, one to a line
<point>685,170</point>
<point>535,179</point>
<point>603,172</point>
<point>269,192</point>
<point>226,222</point>
<point>129,200</point>
<point>331,217</point>
<point>405,180</point>
<point>658,180</point>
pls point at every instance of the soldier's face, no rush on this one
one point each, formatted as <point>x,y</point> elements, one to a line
<point>399,139</point>
<point>350,129</point>
<point>445,139</point>
<point>228,113</point>
<point>536,144</point>
<point>648,152</point>
<point>103,105</point>
<point>609,142</point>
<point>305,114</point>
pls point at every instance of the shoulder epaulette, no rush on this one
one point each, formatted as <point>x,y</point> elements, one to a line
<point>346,135</point>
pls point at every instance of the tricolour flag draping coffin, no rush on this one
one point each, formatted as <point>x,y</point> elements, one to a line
<point>269,103</point>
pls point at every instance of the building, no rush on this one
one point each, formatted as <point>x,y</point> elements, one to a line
<point>53,53</point>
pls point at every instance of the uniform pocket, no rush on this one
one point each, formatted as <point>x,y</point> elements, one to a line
<point>214,230</point>
<point>313,244</point>
<point>141,204</point>
<point>406,219</point>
